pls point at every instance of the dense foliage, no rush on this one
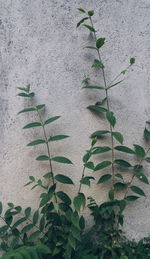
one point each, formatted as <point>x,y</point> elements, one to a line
<point>57,228</point>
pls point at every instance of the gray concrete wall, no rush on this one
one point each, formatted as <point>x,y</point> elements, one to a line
<point>39,44</point>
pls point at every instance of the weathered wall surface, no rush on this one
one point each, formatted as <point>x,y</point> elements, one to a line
<point>39,44</point>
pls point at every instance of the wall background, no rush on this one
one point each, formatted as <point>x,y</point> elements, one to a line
<point>39,44</point>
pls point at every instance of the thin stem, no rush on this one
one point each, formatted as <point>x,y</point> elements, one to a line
<point>135,173</point>
<point>48,151</point>
<point>108,107</point>
<point>83,172</point>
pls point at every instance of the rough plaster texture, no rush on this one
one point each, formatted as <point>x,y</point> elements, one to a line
<point>40,45</point>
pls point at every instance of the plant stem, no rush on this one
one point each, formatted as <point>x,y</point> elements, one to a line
<point>108,107</point>
<point>135,173</point>
<point>81,179</point>
<point>48,151</point>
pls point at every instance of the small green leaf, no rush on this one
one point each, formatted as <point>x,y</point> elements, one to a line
<point>123,163</point>
<point>64,197</point>
<point>137,168</point>
<point>1,207</point>
<point>25,89</point>
<point>27,228</point>
<point>89,165</point>
<point>147,159</point>
<point>119,176</point>
<point>90,47</point>
<point>89,27</point>
<point>118,136</point>
<point>27,110</point>
<point>86,157</point>
<point>18,222</point>
<point>34,235</point>
<point>26,95</point>
<point>63,179</point>
<point>104,178</point>
<point>27,212</point>
<point>97,64</point>
<point>40,106</point>
<point>35,217</point>
<point>111,118</point>
<point>125,149</point>
<point>111,194</point>
<point>147,134</point>
<point>142,177</point>
<point>131,198</point>
<point>61,159</point>
<point>36,142</point>
<point>85,80</point>
<point>86,180</point>
<point>45,197</point>
<point>76,233</point>
<point>137,190</point>
<point>58,137</point>
<point>42,223</point>
<point>132,61</point>
<point>81,10</point>
<point>79,201</point>
<point>81,21</point>
<point>97,108</point>
<point>42,158</point>
<point>72,241</point>
<point>91,13</point>
<point>99,133</point>
<point>99,150</point>
<point>32,125</point>
<point>102,165</point>
<point>94,87</point>
<point>101,102</point>
<point>51,120</point>
<point>120,186</point>
<point>139,151</point>
<point>100,42</point>
<point>114,84</point>
<point>48,175</point>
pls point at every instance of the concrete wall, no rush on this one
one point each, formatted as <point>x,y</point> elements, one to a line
<point>39,44</point>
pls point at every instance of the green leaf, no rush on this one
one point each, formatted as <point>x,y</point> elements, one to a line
<point>118,136</point>
<point>97,108</point>
<point>27,212</point>
<point>102,165</point>
<point>120,186</point>
<point>111,194</point>
<point>48,175</point>
<point>26,95</point>
<point>123,163</point>
<point>137,168</point>
<point>76,233</point>
<point>99,150</point>
<point>79,201</point>
<point>81,21</point>
<point>51,120</point>
<point>27,228</point>
<point>147,159</point>
<point>100,42</point>
<point>89,165</point>
<point>35,217</point>
<point>61,159</point>
<point>147,134</point>
<point>139,151</point>
<point>142,177</point>
<point>81,10</point>
<point>36,142</point>
<point>91,13</point>
<point>86,157</point>
<point>89,27</point>
<point>18,222</point>
<point>63,179</point>
<point>137,190</point>
<point>40,106</point>
<point>110,86</point>
<point>85,80</point>
<point>25,89</point>
<point>125,149</point>
<point>75,219</point>
<point>64,197</point>
<point>132,61</point>
<point>27,110</point>
<point>131,198</point>
<point>58,137</point>
<point>1,207</point>
<point>111,118</point>
<point>94,87</point>
<point>42,158</point>
<point>42,223</point>
<point>86,180</point>
<point>99,133</point>
<point>72,241</point>
<point>119,176</point>
<point>97,64</point>
<point>90,47</point>
<point>45,197</point>
<point>34,235</point>
<point>32,125</point>
<point>101,102</point>
<point>104,178</point>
